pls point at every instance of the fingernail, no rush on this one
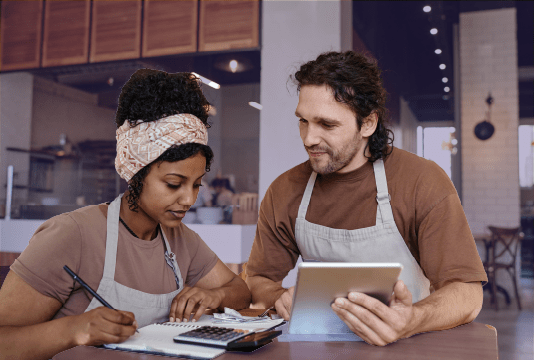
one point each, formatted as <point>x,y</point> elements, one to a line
<point>178,320</point>
<point>194,320</point>
<point>171,319</point>
<point>185,320</point>
<point>135,324</point>
<point>335,307</point>
<point>353,296</point>
<point>340,302</point>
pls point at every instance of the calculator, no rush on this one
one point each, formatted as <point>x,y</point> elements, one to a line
<point>211,336</point>
<point>230,339</point>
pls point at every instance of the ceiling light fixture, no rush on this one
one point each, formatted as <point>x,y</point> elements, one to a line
<point>437,51</point>
<point>207,81</point>
<point>433,31</point>
<point>446,89</point>
<point>427,9</point>
<point>445,80</point>
<point>255,105</point>
<point>442,66</point>
<point>233,65</point>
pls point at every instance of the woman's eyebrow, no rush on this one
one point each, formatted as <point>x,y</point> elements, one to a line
<point>185,177</point>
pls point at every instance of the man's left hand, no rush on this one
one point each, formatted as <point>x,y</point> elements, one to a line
<point>375,322</point>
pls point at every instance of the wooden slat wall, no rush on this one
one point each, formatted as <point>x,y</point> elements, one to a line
<point>21,34</point>
<point>66,32</point>
<point>169,27</point>
<point>228,25</point>
<point>116,30</point>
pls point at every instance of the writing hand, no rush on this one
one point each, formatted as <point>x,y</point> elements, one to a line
<point>284,303</point>
<point>189,298</point>
<point>102,326</point>
<point>373,321</point>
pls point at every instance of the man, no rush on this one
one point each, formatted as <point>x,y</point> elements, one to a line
<point>359,199</point>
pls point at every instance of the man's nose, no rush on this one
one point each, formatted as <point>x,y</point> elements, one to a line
<point>311,136</point>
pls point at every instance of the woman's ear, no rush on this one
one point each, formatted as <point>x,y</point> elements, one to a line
<point>369,125</point>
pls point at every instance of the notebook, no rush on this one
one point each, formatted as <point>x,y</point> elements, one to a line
<point>158,338</point>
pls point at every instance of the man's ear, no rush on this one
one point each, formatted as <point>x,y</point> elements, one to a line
<point>369,124</point>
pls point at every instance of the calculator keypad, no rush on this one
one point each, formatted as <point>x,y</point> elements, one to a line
<point>211,335</point>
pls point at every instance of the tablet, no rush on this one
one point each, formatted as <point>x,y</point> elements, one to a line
<point>320,283</point>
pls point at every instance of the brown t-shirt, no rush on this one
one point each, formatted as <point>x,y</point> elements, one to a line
<point>78,240</point>
<point>426,209</point>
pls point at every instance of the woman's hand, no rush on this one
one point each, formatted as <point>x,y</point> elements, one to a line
<point>102,326</point>
<point>191,298</point>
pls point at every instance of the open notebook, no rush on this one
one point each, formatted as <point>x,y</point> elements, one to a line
<point>158,338</point>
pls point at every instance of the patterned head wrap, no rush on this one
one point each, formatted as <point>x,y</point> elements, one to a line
<point>138,146</point>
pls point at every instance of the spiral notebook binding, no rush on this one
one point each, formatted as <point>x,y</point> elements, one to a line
<point>185,326</point>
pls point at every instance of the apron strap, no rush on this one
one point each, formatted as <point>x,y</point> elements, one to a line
<point>112,238</point>
<point>303,207</point>
<point>170,258</point>
<point>384,213</point>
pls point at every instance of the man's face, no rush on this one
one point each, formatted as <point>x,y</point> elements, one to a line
<point>329,131</point>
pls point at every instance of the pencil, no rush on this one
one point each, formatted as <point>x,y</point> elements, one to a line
<point>88,288</point>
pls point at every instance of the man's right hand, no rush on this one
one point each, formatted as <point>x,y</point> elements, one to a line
<point>102,326</point>
<point>284,303</point>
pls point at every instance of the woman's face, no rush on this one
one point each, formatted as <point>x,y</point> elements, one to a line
<point>171,188</point>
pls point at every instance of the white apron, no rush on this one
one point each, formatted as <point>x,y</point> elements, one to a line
<point>379,243</point>
<point>148,308</point>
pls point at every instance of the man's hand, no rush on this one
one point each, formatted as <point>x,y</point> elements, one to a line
<point>375,322</point>
<point>284,303</point>
<point>194,299</point>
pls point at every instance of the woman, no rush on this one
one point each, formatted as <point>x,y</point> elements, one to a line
<point>134,252</point>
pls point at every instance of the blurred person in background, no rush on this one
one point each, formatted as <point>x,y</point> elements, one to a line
<point>223,192</point>
<point>135,251</point>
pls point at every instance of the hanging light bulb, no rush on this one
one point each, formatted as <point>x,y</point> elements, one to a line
<point>233,65</point>
<point>433,31</point>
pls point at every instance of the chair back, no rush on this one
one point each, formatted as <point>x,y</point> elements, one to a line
<point>504,241</point>
<point>246,208</point>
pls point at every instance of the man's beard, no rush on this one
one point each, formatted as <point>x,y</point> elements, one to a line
<point>337,160</point>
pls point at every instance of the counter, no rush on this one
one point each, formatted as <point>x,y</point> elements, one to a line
<point>231,243</point>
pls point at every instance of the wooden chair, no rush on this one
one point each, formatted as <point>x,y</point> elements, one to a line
<point>245,209</point>
<point>504,242</point>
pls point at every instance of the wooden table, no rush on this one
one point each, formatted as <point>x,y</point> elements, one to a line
<point>471,342</point>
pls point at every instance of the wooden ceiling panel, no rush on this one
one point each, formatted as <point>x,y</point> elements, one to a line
<point>20,34</point>
<point>116,30</point>
<point>228,25</point>
<point>66,32</point>
<point>169,27</point>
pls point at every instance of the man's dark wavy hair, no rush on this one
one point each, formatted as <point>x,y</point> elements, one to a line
<point>150,95</point>
<point>355,80</point>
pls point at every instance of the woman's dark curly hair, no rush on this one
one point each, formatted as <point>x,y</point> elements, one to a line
<point>355,80</point>
<point>150,95</point>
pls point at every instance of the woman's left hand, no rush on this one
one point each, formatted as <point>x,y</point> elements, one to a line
<point>191,299</point>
